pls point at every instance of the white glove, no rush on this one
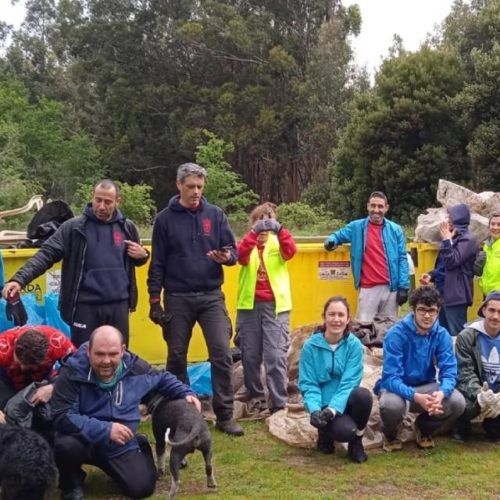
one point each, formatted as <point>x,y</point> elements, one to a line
<point>486,397</point>
<point>493,410</point>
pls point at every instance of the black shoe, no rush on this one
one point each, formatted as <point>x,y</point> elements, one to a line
<point>492,430</point>
<point>230,427</point>
<point>459,436</point>
<point>73,494</point>
<point>324,447</point>
<point>355,450</point>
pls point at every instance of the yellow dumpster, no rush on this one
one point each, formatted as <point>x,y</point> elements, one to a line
<point>315,276</point>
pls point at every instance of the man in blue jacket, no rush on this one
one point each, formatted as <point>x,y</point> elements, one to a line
<point>191,242</point>
<point>379,261</point>
<point>95,408</point>
<point>419,372</point>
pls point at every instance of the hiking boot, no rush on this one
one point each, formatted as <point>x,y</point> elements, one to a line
<point>73,494</point>
<point>492,429</point>
<point>392,445</point>
<point>325,442</point>
<point>356,451</point>
<point>230,427</point>
<point>423,442</point>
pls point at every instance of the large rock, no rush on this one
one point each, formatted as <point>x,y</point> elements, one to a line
<point>448,194</point>
<point>427,230</point>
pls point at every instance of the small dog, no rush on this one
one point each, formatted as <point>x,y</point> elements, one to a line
<point>182,422</point>
<point>27,467</point>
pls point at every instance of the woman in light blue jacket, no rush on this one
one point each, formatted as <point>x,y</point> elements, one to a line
<point>330,371</point>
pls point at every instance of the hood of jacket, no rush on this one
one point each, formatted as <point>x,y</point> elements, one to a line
<point>460,216</point>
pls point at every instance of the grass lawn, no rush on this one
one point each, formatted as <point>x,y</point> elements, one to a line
<point>258,466</point>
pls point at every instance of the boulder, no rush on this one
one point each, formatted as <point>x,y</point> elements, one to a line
<point>448,194</point>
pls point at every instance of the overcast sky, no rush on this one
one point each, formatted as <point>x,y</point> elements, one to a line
<point>411,19</point>
<point>381,19</point>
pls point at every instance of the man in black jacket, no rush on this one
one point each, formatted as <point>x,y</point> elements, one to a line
<point>99,251</point>
<point>191,241</point>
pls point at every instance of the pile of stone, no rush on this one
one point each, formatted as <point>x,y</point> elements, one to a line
<point>448,194</point>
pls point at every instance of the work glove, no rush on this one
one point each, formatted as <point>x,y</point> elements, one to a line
<point>329,245</point>
<point>479,263</point>
<point>486,397</point>
<point>401,296</point>
<point>267,225</point>
<point>492,410</point>
<point>320,419</point>
<point>157,314</point>
<point>15,311</point>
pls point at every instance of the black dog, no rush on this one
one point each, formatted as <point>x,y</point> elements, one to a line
<point>182,422</point>
<point>27,467</point>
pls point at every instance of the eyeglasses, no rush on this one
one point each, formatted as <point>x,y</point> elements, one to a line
<point>424,311</point>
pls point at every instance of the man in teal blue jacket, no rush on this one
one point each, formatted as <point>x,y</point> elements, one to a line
<point>378,260</point>
<point>419,372</point>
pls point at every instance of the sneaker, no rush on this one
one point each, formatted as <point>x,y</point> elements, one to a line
<point>491,428</point>
<point>73,494</point>
<point>423,442</point>
<point>392,445</point>
<point>230,427</point>
<point>356,451</point>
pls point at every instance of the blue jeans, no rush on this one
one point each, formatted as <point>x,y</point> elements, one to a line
<point>453,318</point>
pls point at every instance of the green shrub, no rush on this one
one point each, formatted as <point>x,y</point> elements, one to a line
<point>303,219</point>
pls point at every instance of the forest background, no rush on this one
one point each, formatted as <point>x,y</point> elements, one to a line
<point>264,93</point>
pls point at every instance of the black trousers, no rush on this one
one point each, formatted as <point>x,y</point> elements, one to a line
<point>134,470</point>
<point>209,310</point>
<point>90,316</point>
<point>357,412</point>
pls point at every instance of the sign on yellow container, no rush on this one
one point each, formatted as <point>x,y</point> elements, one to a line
<point>315,276</point>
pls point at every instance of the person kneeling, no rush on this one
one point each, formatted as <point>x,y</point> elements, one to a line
<point>330,371</point>
<point>477,349</point>
<point>415,348</point>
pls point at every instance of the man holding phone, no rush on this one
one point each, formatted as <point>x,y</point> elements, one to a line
<point>191,242</point>
<point>99,251</point>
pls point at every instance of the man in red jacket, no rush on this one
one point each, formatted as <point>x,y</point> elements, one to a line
<point>27,355</point>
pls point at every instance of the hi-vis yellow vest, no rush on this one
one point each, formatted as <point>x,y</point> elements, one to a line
<point>277,272</point>
<point>490,280</point>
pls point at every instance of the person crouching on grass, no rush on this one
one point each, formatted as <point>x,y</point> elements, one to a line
<point>264,304</point>
<point>330,371</point>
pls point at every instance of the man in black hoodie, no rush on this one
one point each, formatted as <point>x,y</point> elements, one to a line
<point>191,241</point>
<point>99,251</point>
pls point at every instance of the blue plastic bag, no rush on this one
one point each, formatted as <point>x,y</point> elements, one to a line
<point>52,314</point>
<point>200,378</point>
<point>33,309</point>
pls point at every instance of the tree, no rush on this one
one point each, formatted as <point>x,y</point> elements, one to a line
<point>224,187</point>
<point>473,31</point>
<point>39,143</point>
<point>402,137</point>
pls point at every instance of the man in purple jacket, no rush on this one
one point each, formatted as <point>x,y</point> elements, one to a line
<point>191,242</point>
<point>453,271</point>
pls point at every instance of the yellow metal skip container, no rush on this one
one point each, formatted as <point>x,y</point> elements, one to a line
<point>315,276</point>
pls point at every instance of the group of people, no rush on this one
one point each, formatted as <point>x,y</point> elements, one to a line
<point>90,387</point>
<point>422,372</point>
<point>95,394</point>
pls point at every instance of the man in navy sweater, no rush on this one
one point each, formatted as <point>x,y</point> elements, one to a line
<point>191,241</point>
